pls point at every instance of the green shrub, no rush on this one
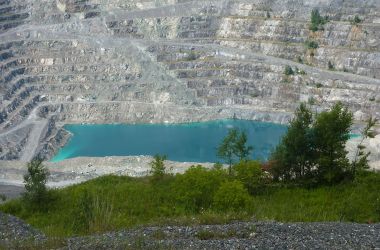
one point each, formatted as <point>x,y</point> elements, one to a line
<point>158,169</point>
<point>288,70</point>
<point>356,20</point>
<point>313,148</point>
<point>317,21</point>
<point>35,184</point>
<point>138,202</point>
<point>250,174</point>
<point>196,187</point>
<point>312,45</point>
<point>232,196</point>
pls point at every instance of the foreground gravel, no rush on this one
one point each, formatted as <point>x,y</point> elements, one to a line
<point>14,233</point>
<point>14,230</point>
<point>240,235</point>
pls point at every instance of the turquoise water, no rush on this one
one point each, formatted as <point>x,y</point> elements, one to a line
<point>193,142</point>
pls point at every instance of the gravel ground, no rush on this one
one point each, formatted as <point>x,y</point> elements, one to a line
<point>14,233</point>
<point>240,235</point>
<point>10,192</point>
<point>14,230</point>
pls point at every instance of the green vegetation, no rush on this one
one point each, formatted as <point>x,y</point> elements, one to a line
<point>307,179</point>
<point>360,161</point>
<point>158,168</point>
<point>288,70</point>
<point>317,21</point>
<point>313,150</point>
<point>356,20</point>
<point>115,202</point>
<point>319,85</point>
<point>36,194</point>
<point>312,45</point>
<point>234,147</point>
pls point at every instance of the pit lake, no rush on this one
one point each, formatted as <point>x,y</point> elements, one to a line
<point>190,142</point>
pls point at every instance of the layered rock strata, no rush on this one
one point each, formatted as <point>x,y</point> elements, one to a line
<point>96,61</point>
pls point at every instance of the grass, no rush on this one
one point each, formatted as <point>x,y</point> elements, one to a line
<point>115,202</point>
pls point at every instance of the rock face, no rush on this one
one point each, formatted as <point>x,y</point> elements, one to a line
<point>74,61</point>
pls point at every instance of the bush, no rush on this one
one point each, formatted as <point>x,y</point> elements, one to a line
<point>250,174</point>
<point>314,147</point>
<point>312,45</point>
<point>330,65</point>
<point>232,196</point>
<point>92,213</point>
<point>288,70</point>
<point>196,187</point>
<point>317,21</point>
<point>35,184</point>
<point>158,169</point>
<point>356,20</point>
<point>331,132</point>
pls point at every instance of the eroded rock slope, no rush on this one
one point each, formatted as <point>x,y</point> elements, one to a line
<point>73,61</point>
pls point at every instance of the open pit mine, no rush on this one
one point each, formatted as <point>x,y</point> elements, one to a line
<point>174,61</point>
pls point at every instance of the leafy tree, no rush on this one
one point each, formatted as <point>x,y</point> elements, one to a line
<point>250,174</point>
<point>158,168</point>
<point>35,183</point>
<point>293,157</point>
<point>232,196</point>
<point>314,149</point>
<point>234,146</point>
<point>331,132</point>
<point>242,151</point>
<point>317,21</point>
<point>360,161</point>
<point>197,186</point>
<point>227,149</point>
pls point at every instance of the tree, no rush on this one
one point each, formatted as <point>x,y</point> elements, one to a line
<point>317,21</point>
<point>227,149</point>
<point>293,157</point>
<point>360,161</point>
<point>331,132</point>
<point>314,148</point>
<point>242,151</point>
<point>232,196</point>
<point>35,182</point>
<point>158,168</point>
<point>196,187</point>
<point>234,146</point>
<point>250,174</point>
